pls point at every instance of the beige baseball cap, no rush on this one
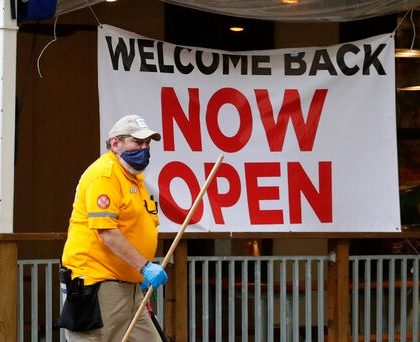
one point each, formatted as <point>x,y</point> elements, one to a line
<point>135,126</point>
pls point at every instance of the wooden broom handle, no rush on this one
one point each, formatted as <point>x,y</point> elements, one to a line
<point>175,242</point>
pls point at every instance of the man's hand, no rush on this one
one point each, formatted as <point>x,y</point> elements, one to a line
<point>154,275</point>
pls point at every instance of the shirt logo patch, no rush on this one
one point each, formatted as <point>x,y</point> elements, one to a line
<point>103,201</point>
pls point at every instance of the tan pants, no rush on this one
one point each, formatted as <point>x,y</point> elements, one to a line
<point>119,303</point>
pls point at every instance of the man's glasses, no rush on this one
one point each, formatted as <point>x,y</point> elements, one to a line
<point>152,211</point>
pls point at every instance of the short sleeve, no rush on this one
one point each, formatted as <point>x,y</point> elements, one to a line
<point>103,198</point>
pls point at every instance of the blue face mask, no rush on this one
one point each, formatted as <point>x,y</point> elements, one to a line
<point>137,159</point>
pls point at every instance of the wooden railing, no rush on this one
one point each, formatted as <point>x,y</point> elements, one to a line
<point>176,297</point>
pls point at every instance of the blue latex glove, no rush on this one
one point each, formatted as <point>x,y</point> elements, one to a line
<point>154,275</point>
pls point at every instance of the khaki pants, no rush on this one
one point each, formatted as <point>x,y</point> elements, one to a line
<point>119,303</point>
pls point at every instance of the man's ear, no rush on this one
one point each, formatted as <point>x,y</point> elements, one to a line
<point>114,143</point>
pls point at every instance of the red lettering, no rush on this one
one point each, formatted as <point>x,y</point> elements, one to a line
<point>299,182</point>
<point>290,109</point>
<point>237,99</point>
<point>228,199</point>
<point>167,203</point>
<point>189,126</point>
<point>257,193</point>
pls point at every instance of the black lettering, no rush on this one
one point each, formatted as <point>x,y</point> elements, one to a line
<point>256,69</point>
<point>325,65</point>
<point>144,56</point>
<point>372,59</point>
<point>184,69</point>
<point>341,62</point>
<point>207,70</point>
<point>162,66</point>
<point>235,61</point>
<point>289,60</point>
<point>121,50</point>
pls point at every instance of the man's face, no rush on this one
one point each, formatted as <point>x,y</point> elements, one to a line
<point>129,143</point>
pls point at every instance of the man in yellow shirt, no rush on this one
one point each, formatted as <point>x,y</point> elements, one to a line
<point>112,238</point>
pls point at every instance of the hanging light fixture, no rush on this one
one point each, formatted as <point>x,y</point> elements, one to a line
<point>236,28</point>
<point>412,88</point>
<point>407,53</point>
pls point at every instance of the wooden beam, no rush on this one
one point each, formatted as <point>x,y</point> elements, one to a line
<point>53,236</point>
<point>406,233</point>
<point>181,291</point>
<point>412,233</point>
<point>8,293</point>
<point>169,303</point>
<point>176,295</point>
<point>338,297</point>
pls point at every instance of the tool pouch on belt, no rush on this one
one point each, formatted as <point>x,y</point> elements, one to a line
<point>81,311</point>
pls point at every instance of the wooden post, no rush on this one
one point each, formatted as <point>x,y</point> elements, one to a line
<point>176,296</point>
<point>8,293</point>
<point>181,292</point>
<point>338,309</point>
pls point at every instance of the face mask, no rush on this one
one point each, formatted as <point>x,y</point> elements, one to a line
<point>137,159</point>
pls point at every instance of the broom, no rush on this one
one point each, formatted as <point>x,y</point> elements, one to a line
<point>175,242</point>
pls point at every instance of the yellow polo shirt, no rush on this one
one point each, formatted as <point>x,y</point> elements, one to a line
<point>108,196</point>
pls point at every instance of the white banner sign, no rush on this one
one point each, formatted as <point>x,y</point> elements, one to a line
<point>308,134</point>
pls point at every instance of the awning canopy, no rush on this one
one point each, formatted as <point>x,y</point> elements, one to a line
<point>275,10</point>
<point>301,10</point>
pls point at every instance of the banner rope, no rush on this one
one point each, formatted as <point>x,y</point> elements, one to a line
<point>413,25</point>
<point>93,13</point>
<point>402,20</point>
<point>55,38</point>
<point>414,30</point>
<point>45,47</point>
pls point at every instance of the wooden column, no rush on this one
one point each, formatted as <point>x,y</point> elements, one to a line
<point>338,309</point>
<point>8,293</point>
<point>176,296</point>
